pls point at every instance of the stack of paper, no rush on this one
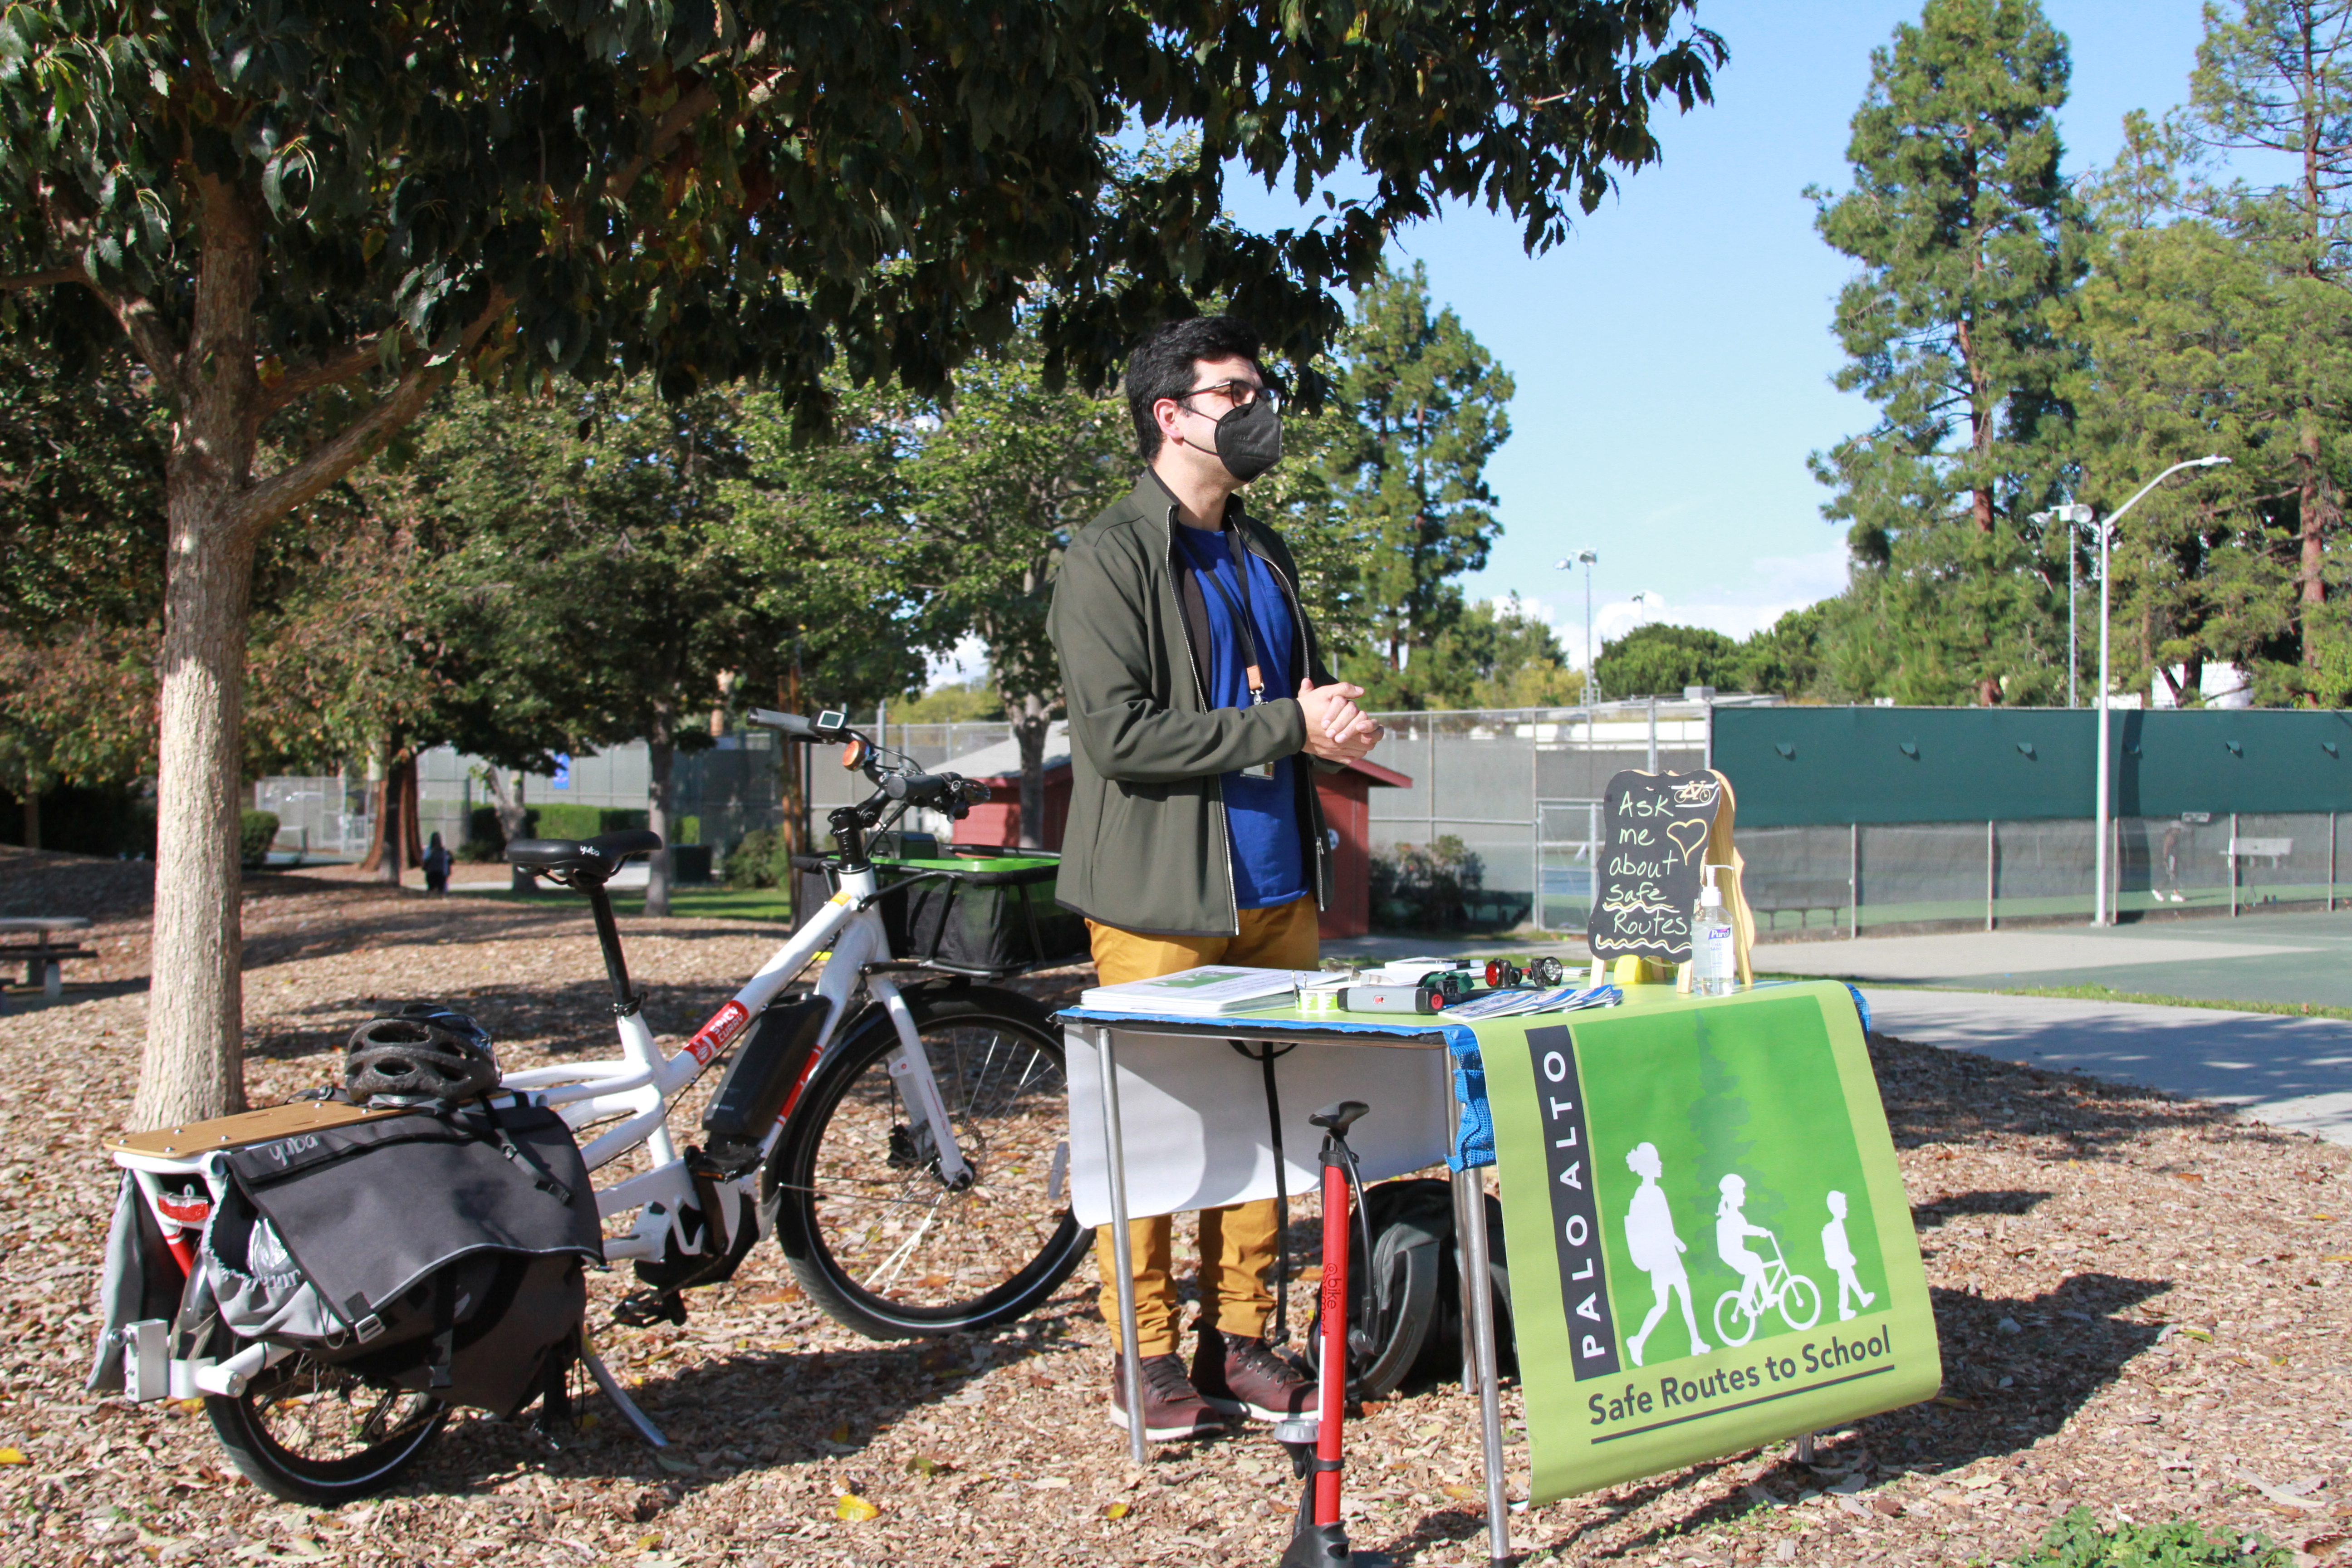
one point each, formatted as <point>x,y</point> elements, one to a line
<point>1532,999</point>
<point>1209,992</point>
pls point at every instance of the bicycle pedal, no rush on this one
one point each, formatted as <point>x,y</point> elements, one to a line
<point>650,1306</point>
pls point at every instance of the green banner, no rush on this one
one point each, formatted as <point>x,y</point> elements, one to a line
<point>1735,1256</point>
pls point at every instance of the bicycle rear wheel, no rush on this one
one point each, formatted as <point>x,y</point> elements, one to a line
<point>310,1432</point>
<point>871,1231</point>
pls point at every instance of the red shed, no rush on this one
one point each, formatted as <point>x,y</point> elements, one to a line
<point>1347,813</point>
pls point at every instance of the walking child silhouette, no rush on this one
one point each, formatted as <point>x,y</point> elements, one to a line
<point>1839,1254</point>
<point>1656,1250</point>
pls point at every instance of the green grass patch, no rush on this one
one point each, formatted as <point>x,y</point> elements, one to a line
<point>2096,993</point>
<point>2108,994</point>
<point>2077,1541</point>
<point>713,904</point>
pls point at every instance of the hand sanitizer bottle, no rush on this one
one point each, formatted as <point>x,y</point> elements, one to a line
<point>1715,967</point>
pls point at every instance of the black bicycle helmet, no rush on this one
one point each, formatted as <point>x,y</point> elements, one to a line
<point>422,1051</point>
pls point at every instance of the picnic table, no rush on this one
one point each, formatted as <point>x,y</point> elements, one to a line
<point>44,956</point>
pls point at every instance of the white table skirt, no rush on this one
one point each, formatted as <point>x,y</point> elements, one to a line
<point>1194,1118</point>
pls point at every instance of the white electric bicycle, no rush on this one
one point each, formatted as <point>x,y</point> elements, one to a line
<point>901,1131</point>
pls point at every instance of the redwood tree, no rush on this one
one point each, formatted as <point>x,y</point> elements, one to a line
<point>302,219</point>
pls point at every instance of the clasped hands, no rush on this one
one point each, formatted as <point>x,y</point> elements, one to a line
<point>1335,730</point>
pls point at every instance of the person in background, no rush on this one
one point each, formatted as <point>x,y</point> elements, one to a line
<point>1199,706</point>
<point>437,861</point>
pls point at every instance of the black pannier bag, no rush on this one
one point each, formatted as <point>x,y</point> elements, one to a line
<point>440,1253</point>
<point>983,911</point>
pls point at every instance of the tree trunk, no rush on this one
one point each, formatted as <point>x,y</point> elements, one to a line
<point>411,819</point>
<point>191,1067</point>
<point>791,771</point>
<point>394,832</point>
<point>508,803</point>
<point>32,814</point>
<point>1031,719</point>
<point>659,753</point>
<point>2320,517</point>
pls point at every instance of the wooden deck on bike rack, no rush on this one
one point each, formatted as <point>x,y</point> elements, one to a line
<point>248,1126</point>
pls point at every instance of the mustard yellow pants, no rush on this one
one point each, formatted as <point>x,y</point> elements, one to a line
<point>1236,1242</point>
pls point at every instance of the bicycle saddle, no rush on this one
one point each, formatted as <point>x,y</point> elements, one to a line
<point>597,859</point>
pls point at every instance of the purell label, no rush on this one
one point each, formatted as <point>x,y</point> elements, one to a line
<point>719,1032</point>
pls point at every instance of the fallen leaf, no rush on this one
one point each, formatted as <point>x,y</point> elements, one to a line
<point>2338,1258</point>
<point>1887,1506</point>
<point>2187,1176</point>
<point>13,1457</point>
<point>934,1281</point>
<point>1037,1382</point>
<point>839,1433</point>
<point>675,1466</point>
<point>855,1509</point>
<point>925,1465</point>
<point>647,1542</point>
<point>2202,1335</point>
<point>1458,1492</point>
<point>1977,1483</point>
<point>1051,1483</point>
<point>775,1298</point>
<point>1115,1511</point>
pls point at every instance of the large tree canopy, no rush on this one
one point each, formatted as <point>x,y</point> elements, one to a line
<point>303,218</point>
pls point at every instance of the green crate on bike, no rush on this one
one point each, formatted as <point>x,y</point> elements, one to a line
<point>981,914</point>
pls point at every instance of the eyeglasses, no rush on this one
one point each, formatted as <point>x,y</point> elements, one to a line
<point>1237,393</point>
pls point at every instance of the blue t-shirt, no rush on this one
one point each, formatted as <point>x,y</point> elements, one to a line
<point>1261,814</point>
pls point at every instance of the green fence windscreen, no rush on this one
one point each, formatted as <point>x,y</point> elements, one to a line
<point>1794,767</point>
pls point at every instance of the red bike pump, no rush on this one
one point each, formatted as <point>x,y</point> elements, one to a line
<point>1319,1540</point>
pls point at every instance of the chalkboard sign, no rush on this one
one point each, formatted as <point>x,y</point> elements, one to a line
<point>1657,830</point>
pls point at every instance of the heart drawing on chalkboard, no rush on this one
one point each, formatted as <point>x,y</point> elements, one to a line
<point>1687,835</point>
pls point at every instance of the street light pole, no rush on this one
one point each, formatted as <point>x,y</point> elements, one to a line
<point>2100,915</point>
<point>1586,559</point>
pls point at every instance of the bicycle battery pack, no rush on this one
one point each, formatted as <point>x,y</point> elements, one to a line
<point>766,1066</point>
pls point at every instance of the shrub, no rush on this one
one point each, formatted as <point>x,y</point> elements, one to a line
<point>757,860</point>
<point>256,832</point>
<point>2076,1541</point>
<point>1426,887</point>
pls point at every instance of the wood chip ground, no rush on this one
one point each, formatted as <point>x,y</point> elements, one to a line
<point>2143,1304</point>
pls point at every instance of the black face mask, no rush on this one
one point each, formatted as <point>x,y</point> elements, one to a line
<point>1249,439</point>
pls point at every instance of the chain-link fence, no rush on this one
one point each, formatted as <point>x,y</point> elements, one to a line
<point>1520,788</point>
<point>1884,878</point>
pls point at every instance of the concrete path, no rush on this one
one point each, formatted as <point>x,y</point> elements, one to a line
<point>2292,1073</point>
<point>2294,958</point>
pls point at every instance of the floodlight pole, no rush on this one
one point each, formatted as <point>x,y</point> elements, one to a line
<point>2100,915</point>
<point>1586,559</point>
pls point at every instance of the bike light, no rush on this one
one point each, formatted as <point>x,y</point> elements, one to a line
<point>853,754</point>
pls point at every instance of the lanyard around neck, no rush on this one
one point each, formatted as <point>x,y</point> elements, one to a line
<point>1242,624</point>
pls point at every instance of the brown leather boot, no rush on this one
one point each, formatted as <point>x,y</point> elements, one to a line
<point>1172,1407</point>
<point>1242,1376</point>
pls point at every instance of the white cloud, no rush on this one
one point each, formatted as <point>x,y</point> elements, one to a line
<point>1777,584</point>
<point>967,662</point>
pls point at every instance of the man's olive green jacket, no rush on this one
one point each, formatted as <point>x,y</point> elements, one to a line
<point>1145,848</point>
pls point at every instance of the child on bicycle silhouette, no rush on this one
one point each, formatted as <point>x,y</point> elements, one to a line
<point>1731,1232</point>
<point>1656,1250</point>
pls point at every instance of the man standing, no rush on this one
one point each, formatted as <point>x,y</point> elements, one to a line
<point>1198,704</point>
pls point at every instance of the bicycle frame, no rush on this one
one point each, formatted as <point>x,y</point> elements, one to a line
<point>847,935</point>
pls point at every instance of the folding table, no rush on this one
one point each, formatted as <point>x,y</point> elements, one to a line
<point>1171,1114</point>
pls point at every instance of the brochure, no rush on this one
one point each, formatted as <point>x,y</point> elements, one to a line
<point>1209,992</point>
<point>1532,999</point>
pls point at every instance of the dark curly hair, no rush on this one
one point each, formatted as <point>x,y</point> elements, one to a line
<point>1162,366</point>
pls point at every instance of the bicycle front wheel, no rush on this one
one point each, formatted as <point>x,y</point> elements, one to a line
<point>872,1232</point>
<point>1800,1302</point>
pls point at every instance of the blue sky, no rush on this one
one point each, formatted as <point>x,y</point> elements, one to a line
<point>1672,358</point>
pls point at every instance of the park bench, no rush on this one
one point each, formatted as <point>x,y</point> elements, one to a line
<point>1802,894</point>
<point>44,956</point>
